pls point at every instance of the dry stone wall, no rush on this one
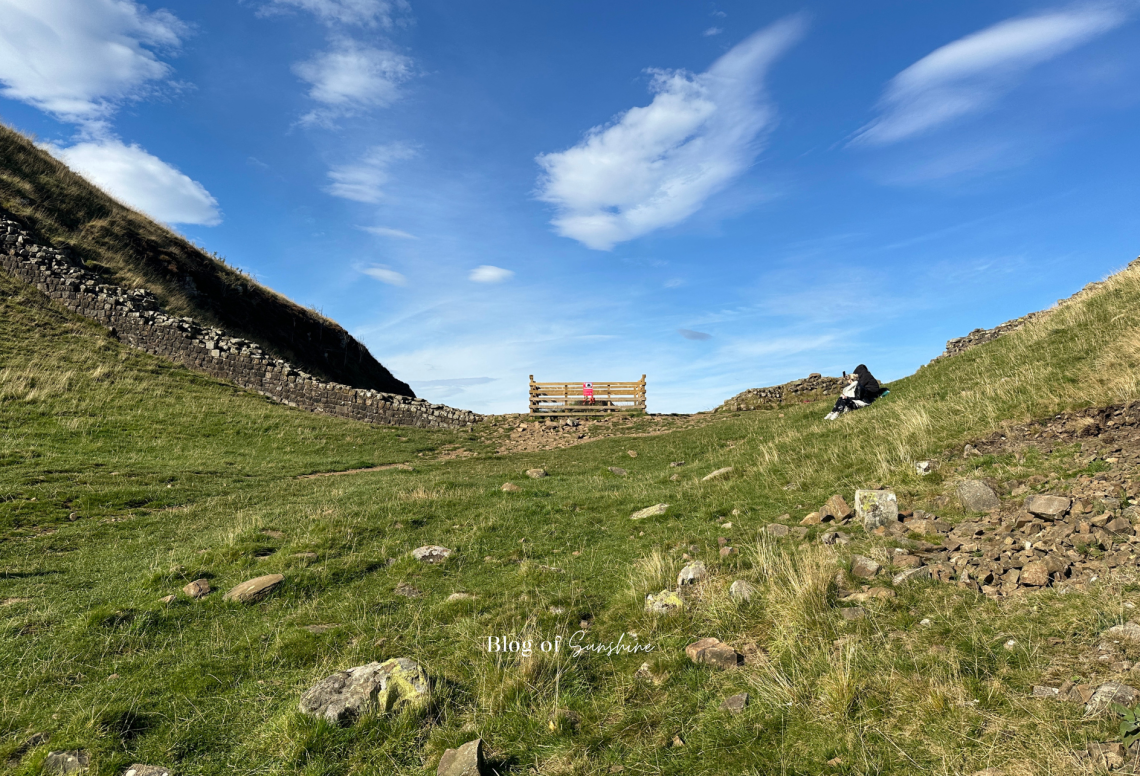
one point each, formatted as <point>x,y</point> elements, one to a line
<point>135,318</point>
<point>810,388</point>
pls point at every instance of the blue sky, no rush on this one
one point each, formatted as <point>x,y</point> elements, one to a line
<point>718,195</point>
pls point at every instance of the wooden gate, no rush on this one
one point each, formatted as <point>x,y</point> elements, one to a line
<point>567,398</point>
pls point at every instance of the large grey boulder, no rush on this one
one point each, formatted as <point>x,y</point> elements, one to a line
<point>875,508</point>
<point>977,496</point>
<point>1051,507</point>
<point>347,695</point>
<point>467,760</point>
<point>253,590</point>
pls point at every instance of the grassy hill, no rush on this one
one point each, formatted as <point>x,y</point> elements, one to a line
<point>123,478</point>
<point>131,250</point>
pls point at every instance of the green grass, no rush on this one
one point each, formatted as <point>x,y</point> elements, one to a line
<point>174,476</point>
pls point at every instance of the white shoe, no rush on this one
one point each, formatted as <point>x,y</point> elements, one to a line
<point>831,416</point>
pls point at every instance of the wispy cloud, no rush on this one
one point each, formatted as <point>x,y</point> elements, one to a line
<point>80,59</point>
<point>970,75</point>
<point>350,78</point>
<point>383,231</point>
<point>489,274</point>
<point>689,334</point>
<point>366,13</point>
<point>711,31</point>
<point>385,275</point>
<point>655,166</point>
<point>363,181</point>
<point>142,181</point>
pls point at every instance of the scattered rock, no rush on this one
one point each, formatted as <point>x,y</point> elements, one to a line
<point>728,552</point>
<point>631,453</point>
<point>1108,694</point>
<point>461,597</point>
<point>656,509</point>
<point>1051,507</point>
<point>645,673</point>
<point>147,770</point>
<point>199,588</point>
<point>618,471</point>
<point>535,474</point>
<point>254,590</point>
<point>714,652</point>
<point>665,602</point>
<point>75,761</point>
<point>717,473</point>
<point>167,600</point>
<point>431,553</point>
<point>510,487</point>
<point>876,508</point>
<point>853,613</point>
<point>875,592</point>
<point>835,509</point>
<point>467,760</point>
<point>1107,756</point>
<point>910,575</point>
<point>864,567</point>
<point>777,530</point>
<point>741,590</point>
<point>834,537</point>
<point>347,695</point>
<point>1035,574</point>
<point>923,468</point>
<point>1045,692</point>
<point>692,574</point>
<point>977,496</point>
<point>812,518</point>
<point>407,591</point>
<point>1129,631</point>
<point>735,704</point>
<point>677,463</point>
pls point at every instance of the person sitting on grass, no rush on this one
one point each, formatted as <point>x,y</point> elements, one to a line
<point>862,389</point>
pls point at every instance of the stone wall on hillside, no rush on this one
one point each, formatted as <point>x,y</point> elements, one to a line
<point>982,336</point>
<point>135,318</point>
<point>814,386</point>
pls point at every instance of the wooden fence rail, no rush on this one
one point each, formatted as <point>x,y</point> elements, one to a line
<point>567,398</point>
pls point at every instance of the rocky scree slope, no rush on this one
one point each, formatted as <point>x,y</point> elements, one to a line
<point>136,318</point>
<point>125,248</point>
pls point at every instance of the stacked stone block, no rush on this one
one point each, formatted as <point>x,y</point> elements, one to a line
<point>135,318</point>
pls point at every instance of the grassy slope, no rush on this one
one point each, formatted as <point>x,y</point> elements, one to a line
<point>87,426</point>
<point>131,250</point>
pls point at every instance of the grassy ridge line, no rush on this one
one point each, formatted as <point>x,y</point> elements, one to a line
<point>133,251</point>
<point>212,688</point>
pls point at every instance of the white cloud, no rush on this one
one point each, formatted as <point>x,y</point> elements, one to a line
<point>78,59</point>
<point>969,75</point>
<point>363,181</point>
<point>350,77</point>
<point>490,274</point>
<point>655,166</point>
<point>383,231</point>
<point>385,275</point>
<point>712,31</point>
<point>142,181</point>
<point>367,13</point>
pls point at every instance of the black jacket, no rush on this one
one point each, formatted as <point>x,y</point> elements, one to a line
<point>867,388</point>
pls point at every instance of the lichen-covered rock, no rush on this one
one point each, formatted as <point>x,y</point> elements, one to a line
<point>510,487</point>
<point>467,760</point>
<point>199,588</point>
<point>656,509</point>
<point>1108,694</point>
<point>431,553</point>
<point>714,652</point>
<point>536,474</point>
<point>75,761</point>
<point>876,508</point>
<point>347,695</point>
<point>1051,507</point>
<point>864,567</point>
<point>665,602</point>
<point>146,770</point>
<point>1129,631</point>
<point>254,590</point>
